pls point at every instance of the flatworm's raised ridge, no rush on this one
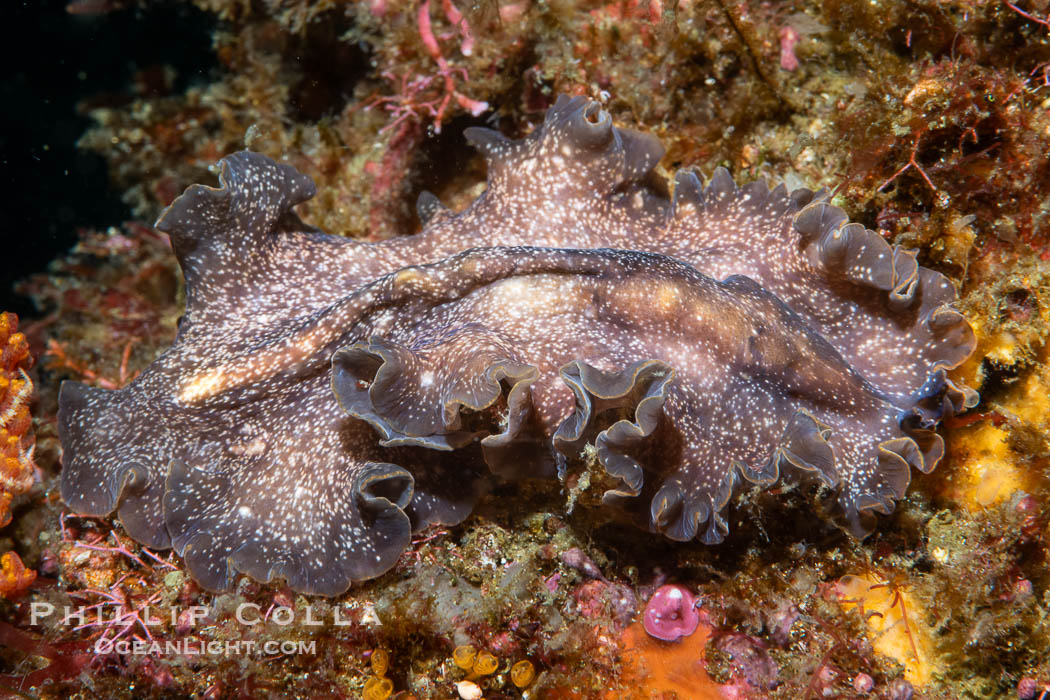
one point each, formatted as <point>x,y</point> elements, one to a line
<point>325,396</point>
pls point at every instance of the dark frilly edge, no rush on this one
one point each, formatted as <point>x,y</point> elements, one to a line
<point>846,254</point>
<point>574,128</point>
<point>149,450</point>
<point>116,442</point>
<point>215,546</point>
<point>381,382</point>
<point>106,462</point>
<point>914,295</point>
<point>127,450</point>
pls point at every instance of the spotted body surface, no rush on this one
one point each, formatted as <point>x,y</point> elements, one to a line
<point>326,396</point>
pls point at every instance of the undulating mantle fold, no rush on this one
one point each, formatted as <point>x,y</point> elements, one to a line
<point>324,396</point>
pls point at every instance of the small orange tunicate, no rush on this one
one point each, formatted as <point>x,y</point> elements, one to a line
<point>464,656</point>
<point>380,662</point>
<point>485,664</point>
<point>522,673</point>
<point>377,688</point>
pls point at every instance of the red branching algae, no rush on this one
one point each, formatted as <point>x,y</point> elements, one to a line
<point>67,659</point>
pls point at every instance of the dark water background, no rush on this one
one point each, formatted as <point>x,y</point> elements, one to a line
<point>53,61</point>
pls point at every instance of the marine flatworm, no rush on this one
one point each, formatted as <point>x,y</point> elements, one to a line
<point>325,396</point>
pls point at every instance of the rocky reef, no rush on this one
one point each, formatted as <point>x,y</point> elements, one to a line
<point>927,122</point>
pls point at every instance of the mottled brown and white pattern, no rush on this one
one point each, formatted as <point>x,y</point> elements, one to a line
<point>326,396</point>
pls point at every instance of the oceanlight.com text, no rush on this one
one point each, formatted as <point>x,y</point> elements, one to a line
<point>187,647</point>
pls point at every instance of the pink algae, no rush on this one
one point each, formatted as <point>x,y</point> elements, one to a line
<point>671,613</point>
